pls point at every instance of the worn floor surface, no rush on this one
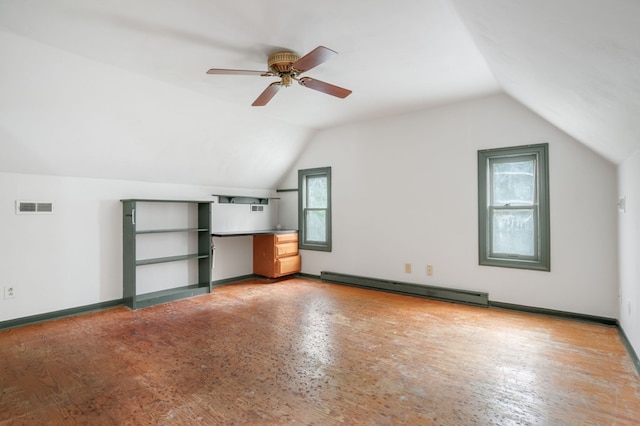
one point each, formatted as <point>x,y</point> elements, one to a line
<point>304,352</point>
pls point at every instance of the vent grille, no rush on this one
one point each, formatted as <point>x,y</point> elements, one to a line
<point>34,207</point>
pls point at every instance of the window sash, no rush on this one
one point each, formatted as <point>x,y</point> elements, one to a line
<point>512,159</point>
<point>492,253</point>
<point>312,198</point>
<point>308,230</point>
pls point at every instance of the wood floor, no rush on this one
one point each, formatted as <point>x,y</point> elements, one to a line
<point>305,352</point>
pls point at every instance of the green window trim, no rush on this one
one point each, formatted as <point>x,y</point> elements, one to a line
<point>316,237</point>
<point>539,257</point>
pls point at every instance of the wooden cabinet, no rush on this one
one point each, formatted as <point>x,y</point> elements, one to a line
<point>276,255</point>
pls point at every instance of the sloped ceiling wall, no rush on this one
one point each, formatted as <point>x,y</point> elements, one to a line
<point>62,114</point>
<point>574,62</point>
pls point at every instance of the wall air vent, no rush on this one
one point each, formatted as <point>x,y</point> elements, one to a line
<point>34,207</point>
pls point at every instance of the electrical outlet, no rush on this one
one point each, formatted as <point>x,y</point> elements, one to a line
<point>9,292</point>
<point>429,270</point>
<point>407,268</point>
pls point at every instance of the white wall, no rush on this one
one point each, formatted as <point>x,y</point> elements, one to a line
<point>73,257</point>
<point>405,191</point>
<point>288,211</point>
<point>229,217</point>
<point>629,243</point>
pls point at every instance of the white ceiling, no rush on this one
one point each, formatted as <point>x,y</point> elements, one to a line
<point>118,89</point>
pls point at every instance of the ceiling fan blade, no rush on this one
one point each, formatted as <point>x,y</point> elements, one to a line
<point>236,72</point>
<point>268,93</point>
<point>323,87</point>
<point>314,58</point>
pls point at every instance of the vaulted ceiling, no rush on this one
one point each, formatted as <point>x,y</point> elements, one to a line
<point>118,89</point>
<point>574,62</point>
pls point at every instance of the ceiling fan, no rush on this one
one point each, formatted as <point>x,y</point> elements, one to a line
<point>288,66</point>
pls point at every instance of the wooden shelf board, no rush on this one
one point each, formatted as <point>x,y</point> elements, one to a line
<point>163,296</point>
<point>155,260</point>
<point>162,231</point>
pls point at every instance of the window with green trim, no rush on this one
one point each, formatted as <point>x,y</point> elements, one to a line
<point>513,207</point>
<point>314,208</point>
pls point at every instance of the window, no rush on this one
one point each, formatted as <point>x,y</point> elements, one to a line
<point>513,201</point>
<point>314,208</point>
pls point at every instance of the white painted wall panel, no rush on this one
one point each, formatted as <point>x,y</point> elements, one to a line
<point>240,218</point>
<point>629,236</point>
<point>405,191</point>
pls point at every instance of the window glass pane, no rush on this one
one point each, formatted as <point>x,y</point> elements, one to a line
<point>317,192</point>
<point>316,221</point>
<point>514,232</point>
<point>513,182</point>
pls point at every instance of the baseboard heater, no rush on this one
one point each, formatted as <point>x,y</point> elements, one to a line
<point>447,294</point>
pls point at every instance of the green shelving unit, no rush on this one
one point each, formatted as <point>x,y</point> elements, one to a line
<point>133,230</point>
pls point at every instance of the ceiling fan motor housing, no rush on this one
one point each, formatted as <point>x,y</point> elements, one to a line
<point>280,62</point>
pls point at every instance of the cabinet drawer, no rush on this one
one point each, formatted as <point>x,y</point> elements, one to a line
<point>288,265</point>
<point>286,249</point>
<point>286,238</point>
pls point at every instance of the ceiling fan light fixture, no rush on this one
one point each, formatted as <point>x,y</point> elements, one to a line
<point>286,79</point>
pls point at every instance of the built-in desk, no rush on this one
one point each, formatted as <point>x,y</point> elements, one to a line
<point>250,233</point>
<point>275,251</point>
